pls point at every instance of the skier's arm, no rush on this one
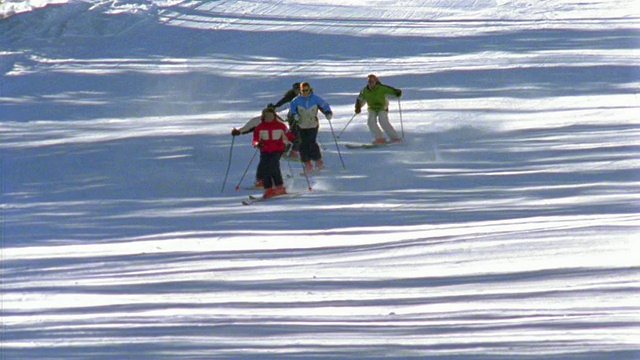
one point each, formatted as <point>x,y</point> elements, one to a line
<point>359,102</point>
<point>293,108</point>
<point>390,90</point>
<point>324,107</point>
<point>256,137</point>
<point>290,95</point>
<point>250,125</point>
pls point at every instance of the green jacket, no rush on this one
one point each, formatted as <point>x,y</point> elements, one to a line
<point>376,98</point>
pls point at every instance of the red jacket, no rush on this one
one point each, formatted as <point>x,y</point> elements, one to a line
<point>273,135</point>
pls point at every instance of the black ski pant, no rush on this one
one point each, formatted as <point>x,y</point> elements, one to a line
<point>269,169</point>
<point>309,148</point>
<point>295,130</point>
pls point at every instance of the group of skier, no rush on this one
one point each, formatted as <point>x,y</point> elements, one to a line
<point>272,136</point>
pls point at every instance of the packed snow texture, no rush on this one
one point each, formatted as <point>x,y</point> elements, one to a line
<point>505,226</point>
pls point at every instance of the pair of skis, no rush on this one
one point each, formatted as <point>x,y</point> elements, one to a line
<point>256,199</point>
<point>370,145</point>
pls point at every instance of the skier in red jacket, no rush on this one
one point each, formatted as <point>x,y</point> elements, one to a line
<point>271,137</point>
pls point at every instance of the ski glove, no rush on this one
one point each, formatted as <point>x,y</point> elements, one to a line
<point>358,106</point>
<point>398,92</point>
<point>329,116</point>
<point>235,132</point>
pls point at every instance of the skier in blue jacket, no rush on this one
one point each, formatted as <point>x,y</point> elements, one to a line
<point>304,109</point>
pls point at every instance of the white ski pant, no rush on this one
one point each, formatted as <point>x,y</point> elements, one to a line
<point>381,117</point>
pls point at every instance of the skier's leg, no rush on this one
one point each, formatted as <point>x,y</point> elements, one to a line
<point>372,122</point>
<point>383,116</point>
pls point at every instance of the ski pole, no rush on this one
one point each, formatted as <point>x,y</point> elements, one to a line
<point>345,127</point>
<point>290,171</point>
<point>293,178</point>
<point>400,112</point>
<point>304,171</point>
<point>247,169</point>
<point>337,147</point>
<point>233,139</point>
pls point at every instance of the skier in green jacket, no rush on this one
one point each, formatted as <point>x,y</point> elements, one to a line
<point>375,95</point>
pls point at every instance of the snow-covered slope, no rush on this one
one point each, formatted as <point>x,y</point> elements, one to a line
<point>504,227</point>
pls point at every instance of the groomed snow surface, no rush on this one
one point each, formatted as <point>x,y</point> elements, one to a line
<point>504,227</point>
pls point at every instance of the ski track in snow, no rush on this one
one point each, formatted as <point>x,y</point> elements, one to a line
<point>504,227</point>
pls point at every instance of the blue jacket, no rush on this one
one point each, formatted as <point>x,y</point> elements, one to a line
<point>306,107</point>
